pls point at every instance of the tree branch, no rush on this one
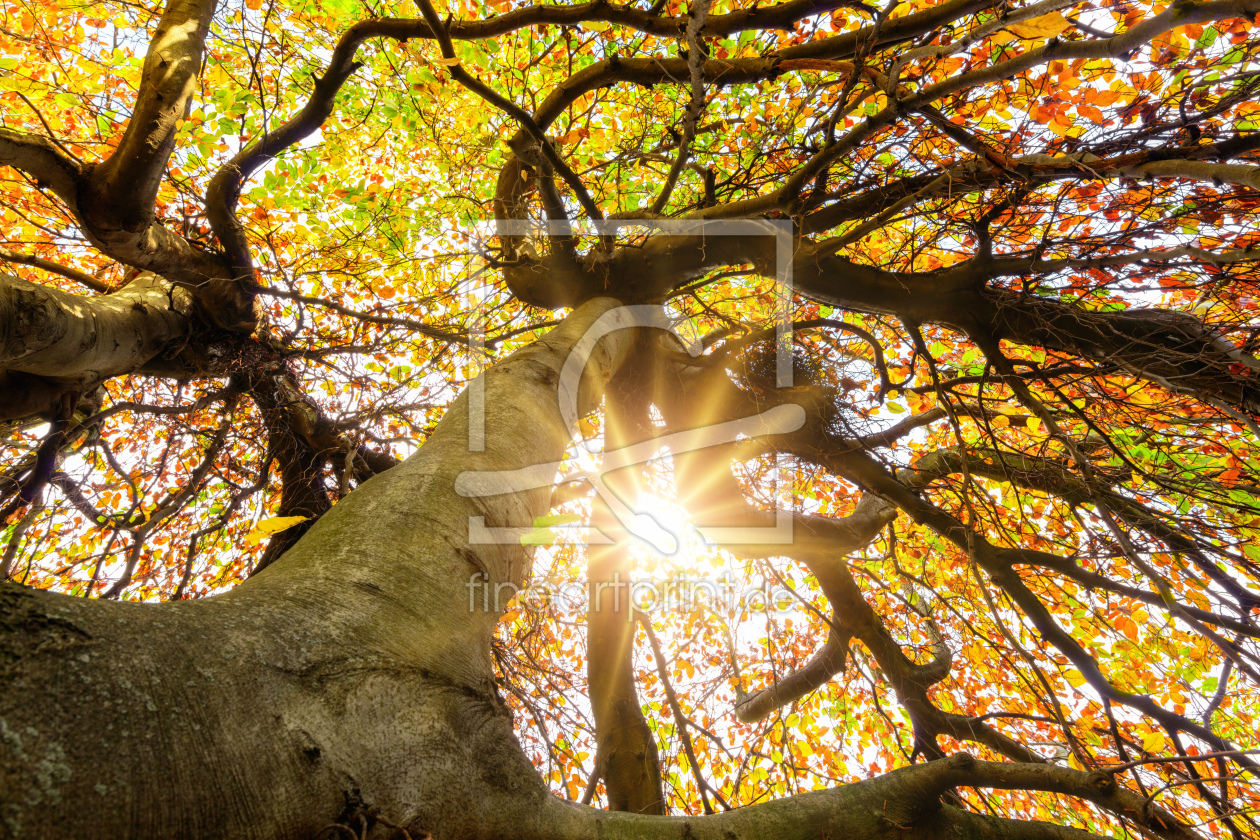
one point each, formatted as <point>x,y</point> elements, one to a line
<point>124,186</point>
<point>80,277</point>
<point>63,344</point>
<point>40,158</point>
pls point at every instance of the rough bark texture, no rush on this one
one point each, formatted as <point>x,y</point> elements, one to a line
<point>351,674</point>
<point>353,680</point>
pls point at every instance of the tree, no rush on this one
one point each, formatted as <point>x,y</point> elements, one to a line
<point>1007,410</point>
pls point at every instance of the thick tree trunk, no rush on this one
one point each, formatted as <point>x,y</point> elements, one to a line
<point>352,680</point>
<point>351,675</point>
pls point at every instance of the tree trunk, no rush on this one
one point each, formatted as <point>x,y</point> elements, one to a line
<point>625,745</point>
<point>352,683</point>
<point>351,675</point>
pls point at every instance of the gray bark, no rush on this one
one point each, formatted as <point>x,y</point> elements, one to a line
<point>351,679</point>
<point>351,672</point>
<point>54,344</point>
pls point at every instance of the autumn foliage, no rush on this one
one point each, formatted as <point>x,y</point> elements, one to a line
<point>1024,314</point>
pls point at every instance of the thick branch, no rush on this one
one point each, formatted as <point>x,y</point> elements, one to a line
<point>40,158</point>
<point>125,185</point>
<point>896,804</point>
<point>867,473</point>
<point>1171,348</point>
<point>80,277</point>
<point>56,344</point>
<point>625,744</point>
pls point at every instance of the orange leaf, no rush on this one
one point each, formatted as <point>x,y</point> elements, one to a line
<point>1046,26</point>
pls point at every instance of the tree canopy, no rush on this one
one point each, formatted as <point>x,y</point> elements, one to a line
<point>253,251</point>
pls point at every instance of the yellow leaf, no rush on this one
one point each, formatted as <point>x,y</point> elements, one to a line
<point>1046,26</point>
<point>446,62</point>
<point>1000,422</point>
<point>1075,677</point>
<point>217,77</point>
<point>1034,424</point>
<point>596,25</point>
<point>1153,742</point>
<point>274,525</point>
<point>1065,126</point>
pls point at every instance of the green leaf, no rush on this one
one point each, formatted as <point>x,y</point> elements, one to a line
<point>557,519</point>
<point>539,536</point>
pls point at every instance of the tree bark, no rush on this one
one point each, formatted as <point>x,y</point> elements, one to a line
<point>352,675</point>
<point>352,681</point>
<point>55,345</point>
<point>625,744</point>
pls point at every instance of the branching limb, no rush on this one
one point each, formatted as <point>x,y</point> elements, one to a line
<point>1048,476</point>
<point>40,158</point>
<point>1222,689</point>
<point>61,345</point>
<point>1100,500</point>
<point>898,802</point>
<point>151,246</point>
<point>696,54</point>
<point>225,187</point>
<point>15,537</point>
<point>116,199</point>
<point>386,320</point>
<point>681,723</point>
<point>714,497</point>
<point>866,472</point>
<point>625,743</point>
<point>80,277</point>
<point>124,186</point>
<point>303,491</point>
<point>527,122</point>
<point>173,502</point>
<point>817,672</point>
<point>31,481</point>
